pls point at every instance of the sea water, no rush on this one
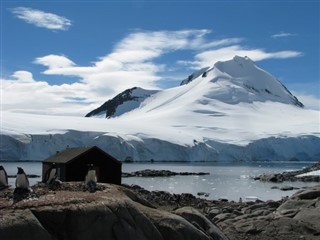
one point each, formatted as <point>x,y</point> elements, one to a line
<point>229,180</point>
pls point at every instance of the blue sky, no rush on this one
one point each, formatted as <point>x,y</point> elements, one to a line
<point>66,57</point>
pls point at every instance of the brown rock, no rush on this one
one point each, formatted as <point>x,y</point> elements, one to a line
<point>201,222</point>
<point>21,224</point>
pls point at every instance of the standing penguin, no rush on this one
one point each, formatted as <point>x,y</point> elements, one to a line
<point>91,179</point>
<point>51,174</point>
<point>3,178</point>
<point>91,175</point>
<point>22,181</point>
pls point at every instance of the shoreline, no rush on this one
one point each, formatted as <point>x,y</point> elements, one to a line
<point>292,176</point>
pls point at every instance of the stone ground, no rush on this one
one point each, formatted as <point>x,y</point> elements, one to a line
<point>295,218</point>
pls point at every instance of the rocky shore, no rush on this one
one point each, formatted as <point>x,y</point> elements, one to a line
<point>160,173</point>
<point>292,175</point>
<point>131,212</point>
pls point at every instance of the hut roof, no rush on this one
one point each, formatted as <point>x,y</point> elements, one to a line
<point>70,154</point>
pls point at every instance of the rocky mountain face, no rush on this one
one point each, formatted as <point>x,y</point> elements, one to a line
<point>123,102</point>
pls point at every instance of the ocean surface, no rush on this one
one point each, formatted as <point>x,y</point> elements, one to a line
<point>230,180</point>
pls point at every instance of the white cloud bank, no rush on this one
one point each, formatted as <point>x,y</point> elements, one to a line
<point>131,63</point>
<point>42,19</point>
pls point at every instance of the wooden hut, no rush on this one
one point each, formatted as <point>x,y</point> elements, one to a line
<point>72,165</point>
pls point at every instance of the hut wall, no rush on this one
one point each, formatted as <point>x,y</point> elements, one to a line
<point>108,171</point>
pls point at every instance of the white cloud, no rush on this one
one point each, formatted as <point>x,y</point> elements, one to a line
<point>24,94</point>
<point>131,63</point>
<point>42,19</point>
<point>23,76</point>
<point>208,58</point>
<point>282,34</point>
<point>54,61</point>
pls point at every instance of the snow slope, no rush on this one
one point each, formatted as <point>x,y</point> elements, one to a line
<point>231,111</point>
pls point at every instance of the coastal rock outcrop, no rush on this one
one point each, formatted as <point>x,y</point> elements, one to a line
<point>292,176</point>
<point>106,214</point>
<point>160,173</point>
<point>131,212</point>
<point>296,218</point>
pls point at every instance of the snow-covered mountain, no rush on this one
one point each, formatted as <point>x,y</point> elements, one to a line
<point>231,111</point>
<point>235,81</point>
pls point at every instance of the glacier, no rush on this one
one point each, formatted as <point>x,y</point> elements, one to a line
<point>232,111</point>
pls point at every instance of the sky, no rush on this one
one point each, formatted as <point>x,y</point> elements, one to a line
<point>69,57</point>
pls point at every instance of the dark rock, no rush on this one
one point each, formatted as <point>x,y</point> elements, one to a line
<point>288,188</point>
<point>213,212</point>
<point>273,204</point>
<point>109,108</point>
<point>308,194</point>
<point>160,173</point>
<point>203,194</point>
<point>222,217</point>
<point>291,176</point>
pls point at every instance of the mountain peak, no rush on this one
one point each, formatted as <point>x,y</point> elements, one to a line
<point>235,81</point>
<point>244,82</point>
<point>237,67</point>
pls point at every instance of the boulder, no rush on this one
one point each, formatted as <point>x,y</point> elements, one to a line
<point>111,219</point>
<point>310,216</point>
<point>172,226</point>
<point>201,222</point>
<point>21,224</point>
<point>308,194</point>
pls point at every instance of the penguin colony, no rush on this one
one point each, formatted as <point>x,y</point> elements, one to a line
<point>22,181</point>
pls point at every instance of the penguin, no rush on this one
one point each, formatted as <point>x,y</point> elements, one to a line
<point>3,178</point>
<point>91,175</point>
<point>91,179</point>
<point>22,181</point>
<point>51,174</point>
